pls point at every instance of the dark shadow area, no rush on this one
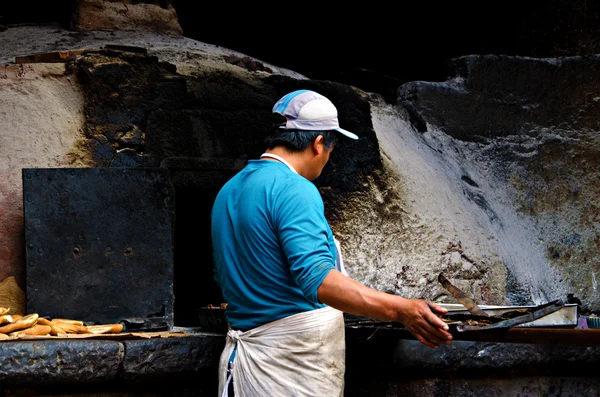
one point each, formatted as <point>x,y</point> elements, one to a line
<point>409,43</point>
<point>194,286</point>
<point>25,12</point>
<point>378,48</point>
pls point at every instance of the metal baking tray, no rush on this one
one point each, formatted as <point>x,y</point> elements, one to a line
<point>566,316</point>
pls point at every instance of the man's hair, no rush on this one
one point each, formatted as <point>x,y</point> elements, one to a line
<point>298,140</point>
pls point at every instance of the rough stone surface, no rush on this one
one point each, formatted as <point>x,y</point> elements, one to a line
<point>122,91</point>
<point>84,361</point>
<point>471,218</point>
<point>536,154</point>
<point>508,358</point>
<point>381,364</point>
<point>510,95</point>
<point>125,15</point>
<point>468,386</point>
<point>511,218</point>
<point>224,115</point>
<point>165,357</point>
<point>41,112</point>
<point>64,361</point>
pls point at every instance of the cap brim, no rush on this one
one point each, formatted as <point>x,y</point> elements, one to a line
<point>346,133</point>
<point>342,131</point>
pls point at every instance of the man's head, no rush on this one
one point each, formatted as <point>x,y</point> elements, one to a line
<point>311,130</point>
<point>307,114</point>
<point>307,110</point>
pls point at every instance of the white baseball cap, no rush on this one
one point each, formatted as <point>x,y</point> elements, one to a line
<point>311,111</point>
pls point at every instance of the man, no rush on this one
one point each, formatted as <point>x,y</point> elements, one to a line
<point>275,261</point>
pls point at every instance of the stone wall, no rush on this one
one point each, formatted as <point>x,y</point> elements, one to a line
<point>42,121</point>
<point>153,16</point>
<point>528,128</point>
<point>203,115</point>
<point>131,109</point>
<point>507,215</point>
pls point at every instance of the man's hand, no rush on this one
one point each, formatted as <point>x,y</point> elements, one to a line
<point>422,319</point>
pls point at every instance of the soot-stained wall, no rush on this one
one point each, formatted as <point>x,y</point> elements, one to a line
<point>141,113</point>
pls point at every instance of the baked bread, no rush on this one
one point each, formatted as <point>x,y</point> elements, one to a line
<point>24,322</point>
<point>69,327</point>
<point>43,321</point>
<point>4,310</point>
<point>67,321</point>
<point>56,330</point>
<point>5,319</point>
<point>36,329</point>
<point>102,329</point>
<point>3,336</point>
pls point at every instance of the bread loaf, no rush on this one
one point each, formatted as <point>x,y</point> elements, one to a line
<point>56,330</point>
<point>102,329</point>
<point>67,327</point>
<point>5,319</point>
<point>3,336</point>
<point>21,323</point>
<point>36,329</point>
<point>67,321</point>
<point>43,321</point>
<point>4,310</point>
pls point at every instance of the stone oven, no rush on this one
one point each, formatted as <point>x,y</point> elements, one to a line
<point>490,176</point>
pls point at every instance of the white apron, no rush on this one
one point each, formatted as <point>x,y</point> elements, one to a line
<point>339,261</point>
<point>302,355</point>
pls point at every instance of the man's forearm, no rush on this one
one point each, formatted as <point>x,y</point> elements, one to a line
<point>350,296</point>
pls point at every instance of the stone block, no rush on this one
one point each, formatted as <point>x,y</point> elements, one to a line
<point>61,361</point>
<point>171,356</point>
<point>111,15</point>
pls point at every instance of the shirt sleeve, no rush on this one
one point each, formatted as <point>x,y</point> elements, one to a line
<point>305,236</point>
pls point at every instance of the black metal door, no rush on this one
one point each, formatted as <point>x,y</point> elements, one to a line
<point>99,245</point>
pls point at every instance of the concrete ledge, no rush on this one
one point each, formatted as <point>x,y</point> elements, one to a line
<point>81,361</point>
<point>380,364</point>
<point>496,358</point>
<point>49,361</point>
<point>385,363</point>
<point>150,358</point>
<point>390,351</point>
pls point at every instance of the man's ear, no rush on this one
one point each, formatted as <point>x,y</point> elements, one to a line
<point>318,145</point>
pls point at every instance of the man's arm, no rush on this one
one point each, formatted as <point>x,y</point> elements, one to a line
<point>417,315</point>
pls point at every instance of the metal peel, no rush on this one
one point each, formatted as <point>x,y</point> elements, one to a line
<point>461,297</point>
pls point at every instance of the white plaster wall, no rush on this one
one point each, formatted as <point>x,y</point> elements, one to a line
<point>433,221</point>
<point>41,121</point>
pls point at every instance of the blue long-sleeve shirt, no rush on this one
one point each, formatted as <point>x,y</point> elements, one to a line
<point>272,245</point>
